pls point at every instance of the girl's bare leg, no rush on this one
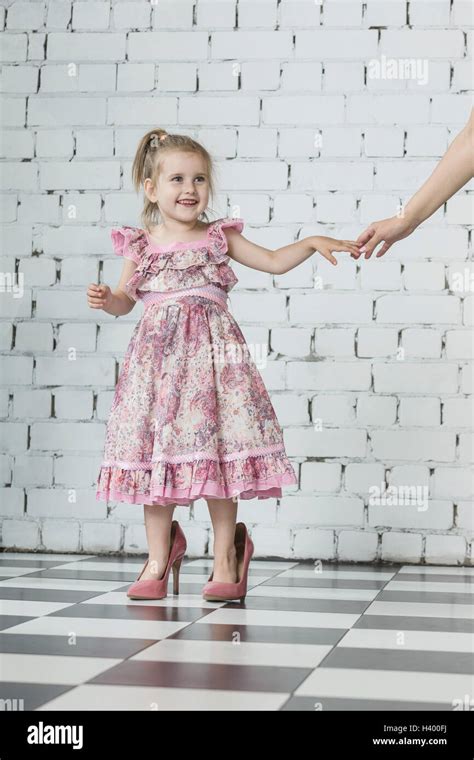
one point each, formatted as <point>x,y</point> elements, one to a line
<point>223,514</point>
<point>158,533</point>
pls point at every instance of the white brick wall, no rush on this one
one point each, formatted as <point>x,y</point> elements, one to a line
<point>369,364</point>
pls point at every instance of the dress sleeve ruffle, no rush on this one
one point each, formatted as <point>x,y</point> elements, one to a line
<point>128,242</point>
<point>217,234</point>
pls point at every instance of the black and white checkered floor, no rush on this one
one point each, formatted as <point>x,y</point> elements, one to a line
<point>348,637</point>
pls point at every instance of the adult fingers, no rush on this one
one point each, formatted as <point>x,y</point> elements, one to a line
<point>383,249</point>
<point>368,249</point>
<point>365,236</point>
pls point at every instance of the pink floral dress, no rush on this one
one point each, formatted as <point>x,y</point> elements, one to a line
<point>191,416</point>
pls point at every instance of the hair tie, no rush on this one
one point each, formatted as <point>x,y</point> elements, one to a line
<point>154,139</point>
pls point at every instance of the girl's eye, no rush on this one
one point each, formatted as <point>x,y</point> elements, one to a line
<point>203,179</point>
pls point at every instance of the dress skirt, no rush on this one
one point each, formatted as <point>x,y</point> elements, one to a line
<point>191,417</point>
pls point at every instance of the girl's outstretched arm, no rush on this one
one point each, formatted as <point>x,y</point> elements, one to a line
<point>115,302</point>
<point>289,256</point>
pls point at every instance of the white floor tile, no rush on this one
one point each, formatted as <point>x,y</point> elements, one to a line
<point>448,587</point>
<point>411,686</point>
<point>280,618</point>
<point>106,567</point>
<point>336,594</point>
<point>30,609</point>
<point>34,556</point>
<point>261,564</point>
<point>116,629</point>
<point>421,609</point>
<point>351,575</point>
<point>428,641</point>
<point>104,697</point>
<point>62,583</point>
<point>230,653</point>
<point>181,600</point>
<point>33,668</point>
<point>5,571</point>
<point>437,570</point>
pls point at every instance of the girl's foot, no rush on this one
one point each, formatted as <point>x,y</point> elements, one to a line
<point>154,570</point>
<point>157,562</point>
<point>225,566</point>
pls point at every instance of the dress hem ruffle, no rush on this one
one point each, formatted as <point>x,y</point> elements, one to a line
<point>260,489</point>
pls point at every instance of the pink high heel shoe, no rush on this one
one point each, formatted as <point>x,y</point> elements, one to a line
<point>220,591</point>
<point>157,589</point>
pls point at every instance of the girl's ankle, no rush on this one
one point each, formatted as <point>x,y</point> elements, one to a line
<point>227,556</point>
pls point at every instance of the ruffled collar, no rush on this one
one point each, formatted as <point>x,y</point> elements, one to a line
<point>153,258</point>
<point>181,255</point>
<point>179,245</point>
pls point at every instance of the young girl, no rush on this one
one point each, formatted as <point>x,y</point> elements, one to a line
<point>191,416</point>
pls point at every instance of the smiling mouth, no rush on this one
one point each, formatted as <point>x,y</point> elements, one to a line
<point>187,203</point>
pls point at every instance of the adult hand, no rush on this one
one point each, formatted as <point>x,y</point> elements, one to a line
<point>386,230</point>
<point>454,170</point>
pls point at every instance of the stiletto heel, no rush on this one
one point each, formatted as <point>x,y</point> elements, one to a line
<point>176,568</point>
<point>158,588</point>
<point>219,591</point>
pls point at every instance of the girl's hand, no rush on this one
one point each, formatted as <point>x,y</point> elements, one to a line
<point>99,296</point>
<point>326,245</point>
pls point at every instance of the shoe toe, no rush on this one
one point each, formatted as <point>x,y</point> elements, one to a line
<point>146,589</point>
<point>215,588</point>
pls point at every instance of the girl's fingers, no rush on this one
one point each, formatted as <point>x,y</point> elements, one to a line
<point>327,255</point>
<point>96,300</point>
<point>97,288</point>
<point>96,296</point>
<point>345,245</point>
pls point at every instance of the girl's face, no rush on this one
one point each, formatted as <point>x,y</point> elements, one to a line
<point>182,189</point>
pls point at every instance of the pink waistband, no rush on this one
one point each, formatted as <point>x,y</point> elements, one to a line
<point>212,292</point>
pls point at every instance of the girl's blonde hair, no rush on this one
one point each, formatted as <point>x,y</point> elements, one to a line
<point>151,149</point>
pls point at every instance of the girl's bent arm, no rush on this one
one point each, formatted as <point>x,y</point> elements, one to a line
<point>122,303</point>
<point>115,302</point>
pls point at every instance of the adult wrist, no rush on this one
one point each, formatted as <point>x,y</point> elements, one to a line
<point>412,219</point>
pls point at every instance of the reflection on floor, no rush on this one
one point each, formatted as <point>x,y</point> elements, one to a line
<point>340,637</point>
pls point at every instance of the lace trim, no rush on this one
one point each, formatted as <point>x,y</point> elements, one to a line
<point>196,456</point>
<point>213,293</point>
